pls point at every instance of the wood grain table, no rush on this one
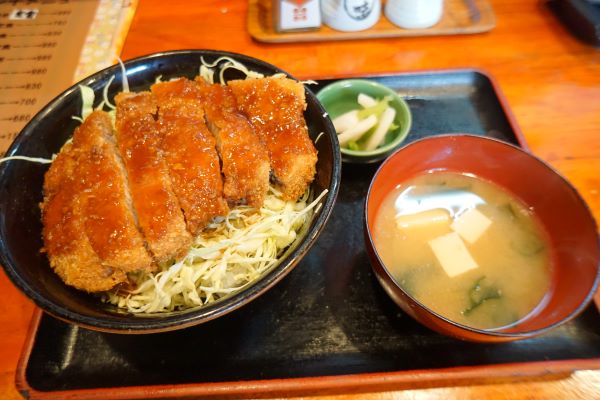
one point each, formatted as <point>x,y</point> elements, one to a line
<point>551,81</point>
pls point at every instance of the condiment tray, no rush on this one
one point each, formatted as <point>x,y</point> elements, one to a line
<point>460,17</point>
<point>328,327</point>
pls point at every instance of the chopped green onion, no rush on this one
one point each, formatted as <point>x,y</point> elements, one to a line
<point>376,110</point>
<point>353,146</point>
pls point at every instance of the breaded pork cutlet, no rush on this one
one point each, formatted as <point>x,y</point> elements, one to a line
<point>69,251</point>
<point>244,158</point>
<point>189,149</point>
<point>159,215</point>
<point>89,229</point>
<point>109,219</point>
<point>275,107</point>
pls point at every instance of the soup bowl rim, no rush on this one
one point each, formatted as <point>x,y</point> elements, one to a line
<point>480,332</point>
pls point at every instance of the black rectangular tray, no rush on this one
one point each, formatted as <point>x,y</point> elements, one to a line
<point>582,17</point>
<point>328,325</point>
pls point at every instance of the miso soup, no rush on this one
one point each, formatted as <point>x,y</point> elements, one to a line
<point>465,248</point>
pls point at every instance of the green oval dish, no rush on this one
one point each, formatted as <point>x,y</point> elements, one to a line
<point>341,97</point>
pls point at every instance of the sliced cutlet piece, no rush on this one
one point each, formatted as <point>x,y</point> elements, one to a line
<point>190,151</point>
<point>138,140</point>
<point>61,168</point>
<point>69,251</point>
<point>275,107</point>
<point>244,157</point>
<point>109,218</point>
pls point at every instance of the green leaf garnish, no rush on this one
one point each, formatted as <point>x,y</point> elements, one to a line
<point>376,110</point>
<point>479,293</point>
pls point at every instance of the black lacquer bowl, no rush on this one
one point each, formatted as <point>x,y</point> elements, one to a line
<point>21,192</point>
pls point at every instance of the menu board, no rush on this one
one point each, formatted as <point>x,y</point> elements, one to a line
<point>47,44</point>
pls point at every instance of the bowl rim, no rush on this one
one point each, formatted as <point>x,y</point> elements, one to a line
<point>477,331</point>
<point>403,104</point>
<point>196,315</point>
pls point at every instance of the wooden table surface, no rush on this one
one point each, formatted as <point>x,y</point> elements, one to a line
<point>551,81</point>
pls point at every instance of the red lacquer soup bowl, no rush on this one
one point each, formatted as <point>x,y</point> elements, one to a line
<point>571,229</point>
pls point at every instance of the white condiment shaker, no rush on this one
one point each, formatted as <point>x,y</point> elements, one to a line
<point>414,14</point>
<point>350,15</point>
<point>296,15</point>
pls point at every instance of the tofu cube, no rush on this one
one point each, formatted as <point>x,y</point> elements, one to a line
<point>471,224</point>
<point>452,254</point>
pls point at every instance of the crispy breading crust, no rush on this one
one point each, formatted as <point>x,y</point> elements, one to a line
<point>69,250</point>
<point>109,218</point>
<point>275,108</point>
<point>190,151</point>
<point>125,200</point>
<point>244,158</point>
<point>159,215</point>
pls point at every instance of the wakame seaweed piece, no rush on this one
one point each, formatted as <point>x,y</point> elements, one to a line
<point>480,293</point>
<point>529,245</point>
<point>407,281</point>
<point>408,278</point>
<point>509,210</point>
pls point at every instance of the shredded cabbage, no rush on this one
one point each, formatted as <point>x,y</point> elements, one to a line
<point>208,74</point>
<point>319,137</point>
<point>87,98</point>
<point>124,81</point>
<point>106,100</point>
<point>30,159</point>
<point>207,69</point>
<point>225,258</point>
